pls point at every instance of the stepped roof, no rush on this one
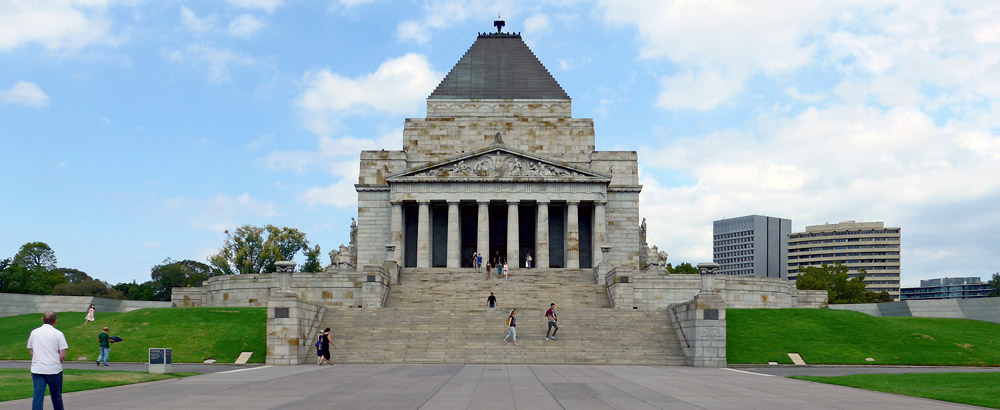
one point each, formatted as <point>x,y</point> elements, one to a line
<point>499,66</point>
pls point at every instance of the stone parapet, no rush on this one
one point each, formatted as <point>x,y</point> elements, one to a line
<point>657,291</point>
<point>701,325</point>
<point>13,304</point>
<point>292,328</point>
<point>336,289</point>
<point>376,286</point>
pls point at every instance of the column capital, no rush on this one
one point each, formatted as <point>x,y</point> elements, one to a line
<point>512,201</point>
<point>542,201</point>
<point>453,202</point>
<point>572,202</point>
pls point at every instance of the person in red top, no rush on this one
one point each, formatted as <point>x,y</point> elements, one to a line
<point>551,316</point>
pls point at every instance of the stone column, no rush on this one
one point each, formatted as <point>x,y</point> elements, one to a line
<point>542,236</point>
<point>513,234</point>
<point>600,227</point>
<point>454,259</point>
<point>423,235</point>
<point>483,233</point>
<point>572,234</point>
<point>396,235</point>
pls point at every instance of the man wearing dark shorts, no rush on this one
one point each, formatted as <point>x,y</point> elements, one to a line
<point>551,316</point>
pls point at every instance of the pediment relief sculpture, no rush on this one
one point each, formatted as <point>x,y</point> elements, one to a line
<point>499,164</point>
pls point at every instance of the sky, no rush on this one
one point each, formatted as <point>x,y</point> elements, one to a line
<point>134,131</point>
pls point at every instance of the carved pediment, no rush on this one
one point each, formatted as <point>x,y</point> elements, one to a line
<point>501,163</point>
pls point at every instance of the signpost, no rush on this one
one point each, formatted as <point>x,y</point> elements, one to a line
<point>160,360</point>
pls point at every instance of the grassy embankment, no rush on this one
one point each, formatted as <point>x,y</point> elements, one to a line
<point>194,334</point>
<point>825,336</point>
<point>16,383</point>
<point>977,389</point>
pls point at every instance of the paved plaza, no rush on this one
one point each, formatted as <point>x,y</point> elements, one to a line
<point>487,387</point>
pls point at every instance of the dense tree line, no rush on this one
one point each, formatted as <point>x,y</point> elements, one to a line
<point>840,286</point>
<point>248,249</point>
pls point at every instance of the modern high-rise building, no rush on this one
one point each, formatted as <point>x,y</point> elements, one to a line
<point>856,245</point>
<point>751,245</point>
<point>948,288</point>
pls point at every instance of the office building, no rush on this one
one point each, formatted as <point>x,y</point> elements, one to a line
<point>752,246</point>
<point>856,245</point>
<point>948,288</point>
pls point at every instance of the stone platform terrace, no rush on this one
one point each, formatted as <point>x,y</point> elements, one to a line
<point>486,387</point>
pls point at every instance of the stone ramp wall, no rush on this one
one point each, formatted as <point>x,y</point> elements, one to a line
<point>342,288</point>
<point>647,290</point>
<point>985,309</point>
<point>12,304</point>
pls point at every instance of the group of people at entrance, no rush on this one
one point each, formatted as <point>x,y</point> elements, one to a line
<point>512,326</point>
<point>497,263</point>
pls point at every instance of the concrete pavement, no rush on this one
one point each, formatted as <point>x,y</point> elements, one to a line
<point>487,387</point>
<point>133,367</point>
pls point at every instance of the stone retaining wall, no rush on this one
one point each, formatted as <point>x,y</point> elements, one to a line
<point>13,304</point>
<point>343,288</point>
<point>985,309</point>
<point>656,291</point>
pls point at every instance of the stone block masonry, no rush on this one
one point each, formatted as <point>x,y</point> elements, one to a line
<point>337,289</point>
<point>292,329</point>
<point>12,304</point>
<point>985,309</point>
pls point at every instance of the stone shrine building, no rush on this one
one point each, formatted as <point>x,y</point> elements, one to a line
<point>499,166</point>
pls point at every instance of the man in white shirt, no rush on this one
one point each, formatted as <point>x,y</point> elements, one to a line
<point>47,346</point>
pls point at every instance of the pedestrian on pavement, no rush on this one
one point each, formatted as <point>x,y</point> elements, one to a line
<point>326,343</point>
<point>319,349</point>
<point>105,342</point>
<point>512,326</point>
<point>90,314</point>
<point>491,301</point>
<point>505,270</point>
<point>527,261</point>
<point>551,316</point>
<point>47,347</point>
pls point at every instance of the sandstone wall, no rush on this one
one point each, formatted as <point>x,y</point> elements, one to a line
<point>655,291</point>
<point>332,290</point>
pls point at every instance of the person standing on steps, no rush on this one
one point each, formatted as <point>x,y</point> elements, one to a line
<point>527,261</point>
<point>491,301</point>
<point>477,259</point>
<point>551,316</point>
<point>47,347</point>
<point>505,270</point>
<point>104,340</point>
<point>512,326</point>
<point>90,315</point>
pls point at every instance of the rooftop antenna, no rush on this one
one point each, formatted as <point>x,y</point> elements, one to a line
<point>498,23</point>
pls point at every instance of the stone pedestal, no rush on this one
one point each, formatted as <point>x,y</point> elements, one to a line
<point>701,323</point>
<point>292,326</point>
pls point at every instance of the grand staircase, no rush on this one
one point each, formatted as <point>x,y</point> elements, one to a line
<point>441,316</point>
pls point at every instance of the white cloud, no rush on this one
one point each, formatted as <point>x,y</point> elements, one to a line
<point>215,60</point>
<point>192,22</point>
<point>266,5</point>
<point>25,93</point>
<point>398,86</point>
<point>55,25</point>
<point>839,163</point>
<point>244,26</point>
<point>221,212</point>
<point>442,14</point>
<point>537,25</point>
<point>353,3</point>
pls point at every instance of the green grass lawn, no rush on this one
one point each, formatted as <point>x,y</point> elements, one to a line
<point>977,389</point>
<point>194,334</point>
<point>824,336</point>
<point>16,383</point>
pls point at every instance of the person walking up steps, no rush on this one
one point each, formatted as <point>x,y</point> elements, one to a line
<point>512,326</point>
<point>551,316</point>
<point>491,301</point>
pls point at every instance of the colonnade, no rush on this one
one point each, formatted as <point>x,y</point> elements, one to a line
<point>542,234</point>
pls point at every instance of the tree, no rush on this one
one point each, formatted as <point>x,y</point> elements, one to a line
<point>89,287</point>
<point>995,284</point>
<point>172,273</point>
<point>683,268</point>
<point>73,275</point>
<point>36,255</point>
<point>136,291</point>
<point>250,249</point>
<point>313,263</point>
<point>840,287</point>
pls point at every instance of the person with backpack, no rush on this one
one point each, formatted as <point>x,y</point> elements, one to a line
<point>512,326</point>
